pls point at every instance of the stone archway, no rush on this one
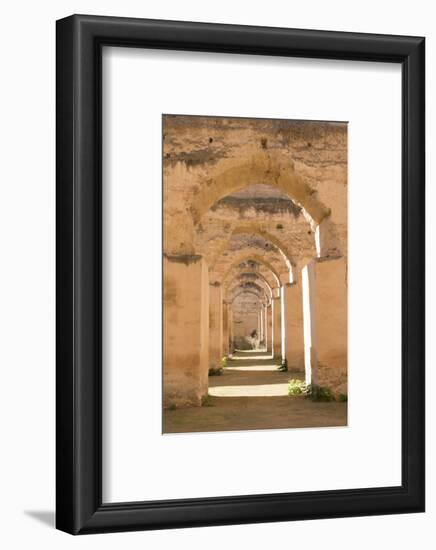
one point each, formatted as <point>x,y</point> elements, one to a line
<point>246,306</point>
<point>204,240</point>
<point>268,167</point>
<point>242,275</point>
<point>244,256</point>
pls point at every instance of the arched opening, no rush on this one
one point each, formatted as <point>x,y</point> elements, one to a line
<point>265,167</point>
<point>255,257</point>
<point>247,260</point>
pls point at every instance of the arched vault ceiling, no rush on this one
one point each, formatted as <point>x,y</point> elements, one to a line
<point>266,167</point>
<point>224,172</point>
<point>263,269</point>
<point>249,296</point>
<point>242,274</point>
<point>253,240</point>
<point>254,278</point>
<point>231,258</point>
<point>257,200</point>
<point>296,242</point>
<point>249,285</point>
<point>245,260</point>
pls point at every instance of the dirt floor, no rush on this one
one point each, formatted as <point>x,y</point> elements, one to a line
<point>251,394</point>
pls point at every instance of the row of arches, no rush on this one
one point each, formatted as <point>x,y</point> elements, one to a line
<point>252,256</point>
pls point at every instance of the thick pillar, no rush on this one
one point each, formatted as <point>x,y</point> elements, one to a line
<point>226,332</point>
<point>331,306</point>
<point>215,326</point>
<point>269,328</point>
<point>277,327</point>
<point>260,324</point>
<point>264,327</point>
<point>231,331</point>
<point>282,324</point>
<point>294,331</point>
<point>326,240</point>
<point>186,330</point>
<point>310,324</point>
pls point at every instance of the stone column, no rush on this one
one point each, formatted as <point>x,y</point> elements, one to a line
<point>186,329</point>
<point>277,327</point>
<point>231,331</point>
<point>294,331</point>
<point>269,327</point>
<point>310,323</point>
<point>260,332</point>
<point>225,328</point>
<point>331,309</point>
<point>215,325</point>
<point>264,325</point>
<point>326,239</point>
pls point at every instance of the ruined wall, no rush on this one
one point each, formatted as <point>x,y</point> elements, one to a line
<point>265,198</point>
<point>206,159</point>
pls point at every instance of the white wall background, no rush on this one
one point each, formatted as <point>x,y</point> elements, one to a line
<point>131,180</point>
<point>27,271</point>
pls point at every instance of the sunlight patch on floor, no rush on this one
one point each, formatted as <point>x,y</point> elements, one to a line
<point>262,390</point>
<point>252,358</point>
<point>254,367</point>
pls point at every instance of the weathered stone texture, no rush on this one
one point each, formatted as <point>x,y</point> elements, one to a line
<point>248,203</point>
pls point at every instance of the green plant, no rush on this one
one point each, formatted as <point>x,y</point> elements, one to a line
<point>343,397</point>
<point>320,393</point>
<point>313,392</point>
<point>172,407</point>
<point>206,401</point>
<point>297,387</point>
<point>215,371</point>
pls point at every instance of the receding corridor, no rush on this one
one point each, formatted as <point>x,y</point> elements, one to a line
<point>254,273</point>
<point>252,394</point>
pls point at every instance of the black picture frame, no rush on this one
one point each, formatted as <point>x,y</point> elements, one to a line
<point>79,507</point>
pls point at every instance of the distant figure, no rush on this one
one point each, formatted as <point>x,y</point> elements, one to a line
<point>254,339</point>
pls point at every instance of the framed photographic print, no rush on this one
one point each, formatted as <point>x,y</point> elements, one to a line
<point>240,274</point>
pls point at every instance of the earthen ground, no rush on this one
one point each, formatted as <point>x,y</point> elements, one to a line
<point>251,394</point>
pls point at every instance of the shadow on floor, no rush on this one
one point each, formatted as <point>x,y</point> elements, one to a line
<point>255,413</point>
<point>251,394</point>
<point>252,376</point>
<point>47,517</point>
